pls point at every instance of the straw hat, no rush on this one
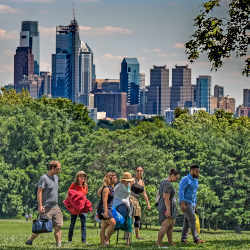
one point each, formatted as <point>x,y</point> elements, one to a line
<point>127,177</point>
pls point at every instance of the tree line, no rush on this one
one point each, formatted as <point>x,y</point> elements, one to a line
<point>33,132</point>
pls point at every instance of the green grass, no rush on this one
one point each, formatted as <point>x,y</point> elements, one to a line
<point>13,234</point>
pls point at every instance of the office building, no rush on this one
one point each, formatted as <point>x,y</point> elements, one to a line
<point>114,104</point>
<point>227,103</point>
<point>218,91</point>
<point>23,65</point>
<point>142,80</point>
<point>182,90</point>
<point>246,97</point>
<point>130,80</point>
<point>46,83</point>
<point>203,89</point>
<point>65,63</point>
<point>86,70</point>
<point>243,111</point>
<point>158,96</point>
<point>31,83</point>
<point>213,104</point>
<point>29,38</point>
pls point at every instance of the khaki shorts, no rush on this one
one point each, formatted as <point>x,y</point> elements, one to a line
<point>54,214</point>
<point>136,206</point>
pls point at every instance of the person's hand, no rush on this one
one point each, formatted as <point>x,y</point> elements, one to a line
<point>183,206</point>
<point>167,213</point>
<point>41,209</point>
<point>149,207</point>
<point>106,215</point>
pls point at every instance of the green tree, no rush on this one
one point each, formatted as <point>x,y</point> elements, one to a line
<point>221,36</point>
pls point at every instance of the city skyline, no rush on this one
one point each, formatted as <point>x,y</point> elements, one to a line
<point>116,33</point>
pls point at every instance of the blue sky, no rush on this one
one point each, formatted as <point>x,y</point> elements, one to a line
<point>154,31</point>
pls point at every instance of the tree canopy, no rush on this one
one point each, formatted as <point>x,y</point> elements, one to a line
<point>221,36</point>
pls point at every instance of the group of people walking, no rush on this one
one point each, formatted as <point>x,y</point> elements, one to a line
<point>118,206</point>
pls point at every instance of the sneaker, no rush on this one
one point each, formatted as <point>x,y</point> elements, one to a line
<point>28,242</point>
<point>184,241</point>
<point>58,245</point>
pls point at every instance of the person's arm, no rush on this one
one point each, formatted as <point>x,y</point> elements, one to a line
<point>99,192</point>
<point>105,194</point>
<point>41,185</point>
<point>182,188</point>
<point>40,200</point>
<point>166,198</point>
<point>146,198</point>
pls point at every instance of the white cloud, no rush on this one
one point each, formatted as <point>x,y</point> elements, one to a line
<point>9,52</point>
<point>47,31</point>
<point>8,35</point>
<point>5,9</point>
<point>106,30</point>
<point>179,46</point>
<point>6,68</point>
<point>32,1</point>
<point>109,56</point>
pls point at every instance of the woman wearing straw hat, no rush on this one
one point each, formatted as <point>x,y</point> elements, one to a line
<point>80,185</point>
<point>137,189</point>
<point>122,197</point>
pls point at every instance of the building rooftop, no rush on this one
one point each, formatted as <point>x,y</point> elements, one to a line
<point>131,60</point>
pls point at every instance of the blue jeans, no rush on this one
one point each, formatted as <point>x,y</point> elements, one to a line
<point>72,225</point>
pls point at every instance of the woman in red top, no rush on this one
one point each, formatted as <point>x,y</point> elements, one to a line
<point>80,184</point>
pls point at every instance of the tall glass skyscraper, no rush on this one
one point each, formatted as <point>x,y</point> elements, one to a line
<point>65,63</point>
<point>86,69</point>
<point>203,92</point>
<point>29,37</point>
<point>130,79</point>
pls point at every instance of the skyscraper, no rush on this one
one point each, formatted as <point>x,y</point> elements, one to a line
<point>29,37</point>
<point>46,83</point>
<point>158,96</point>
<point>203,92</point>
<point>65,63</point>
<point>218,91</point>
<point>142,80</point>
<point>86,71</point>
<point>181,91</point>
<point>246,97</point>
<point>130,80</point>
<point>23,65</point>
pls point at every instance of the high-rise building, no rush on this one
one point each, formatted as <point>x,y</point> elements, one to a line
<point>114,104</point>
<point>213,104</point>
<point>218,91</point>
<point>142,80</point>
<point>46,83</point>
<point>29,37</point>
<point>86,70</point>
<point>158,96</point>
<point>130,80</point>
<point>181,91</point>
<point>203,89</point>
<point>23,65</point>
<point>227,103</point>
<point>246,97</point>
<point>32,83</point>
<point>65,63</point>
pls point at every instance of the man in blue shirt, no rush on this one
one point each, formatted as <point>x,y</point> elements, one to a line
<point>187,198</point>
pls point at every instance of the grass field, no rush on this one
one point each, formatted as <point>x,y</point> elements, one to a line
<point>13,234</point>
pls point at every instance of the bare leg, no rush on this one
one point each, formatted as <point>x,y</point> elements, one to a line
<point>170,233</point>
<point>163,230</point>
<point>33,236</point>
<point>58,235</point>
<point>102,232</point>
<point>110,228</point>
